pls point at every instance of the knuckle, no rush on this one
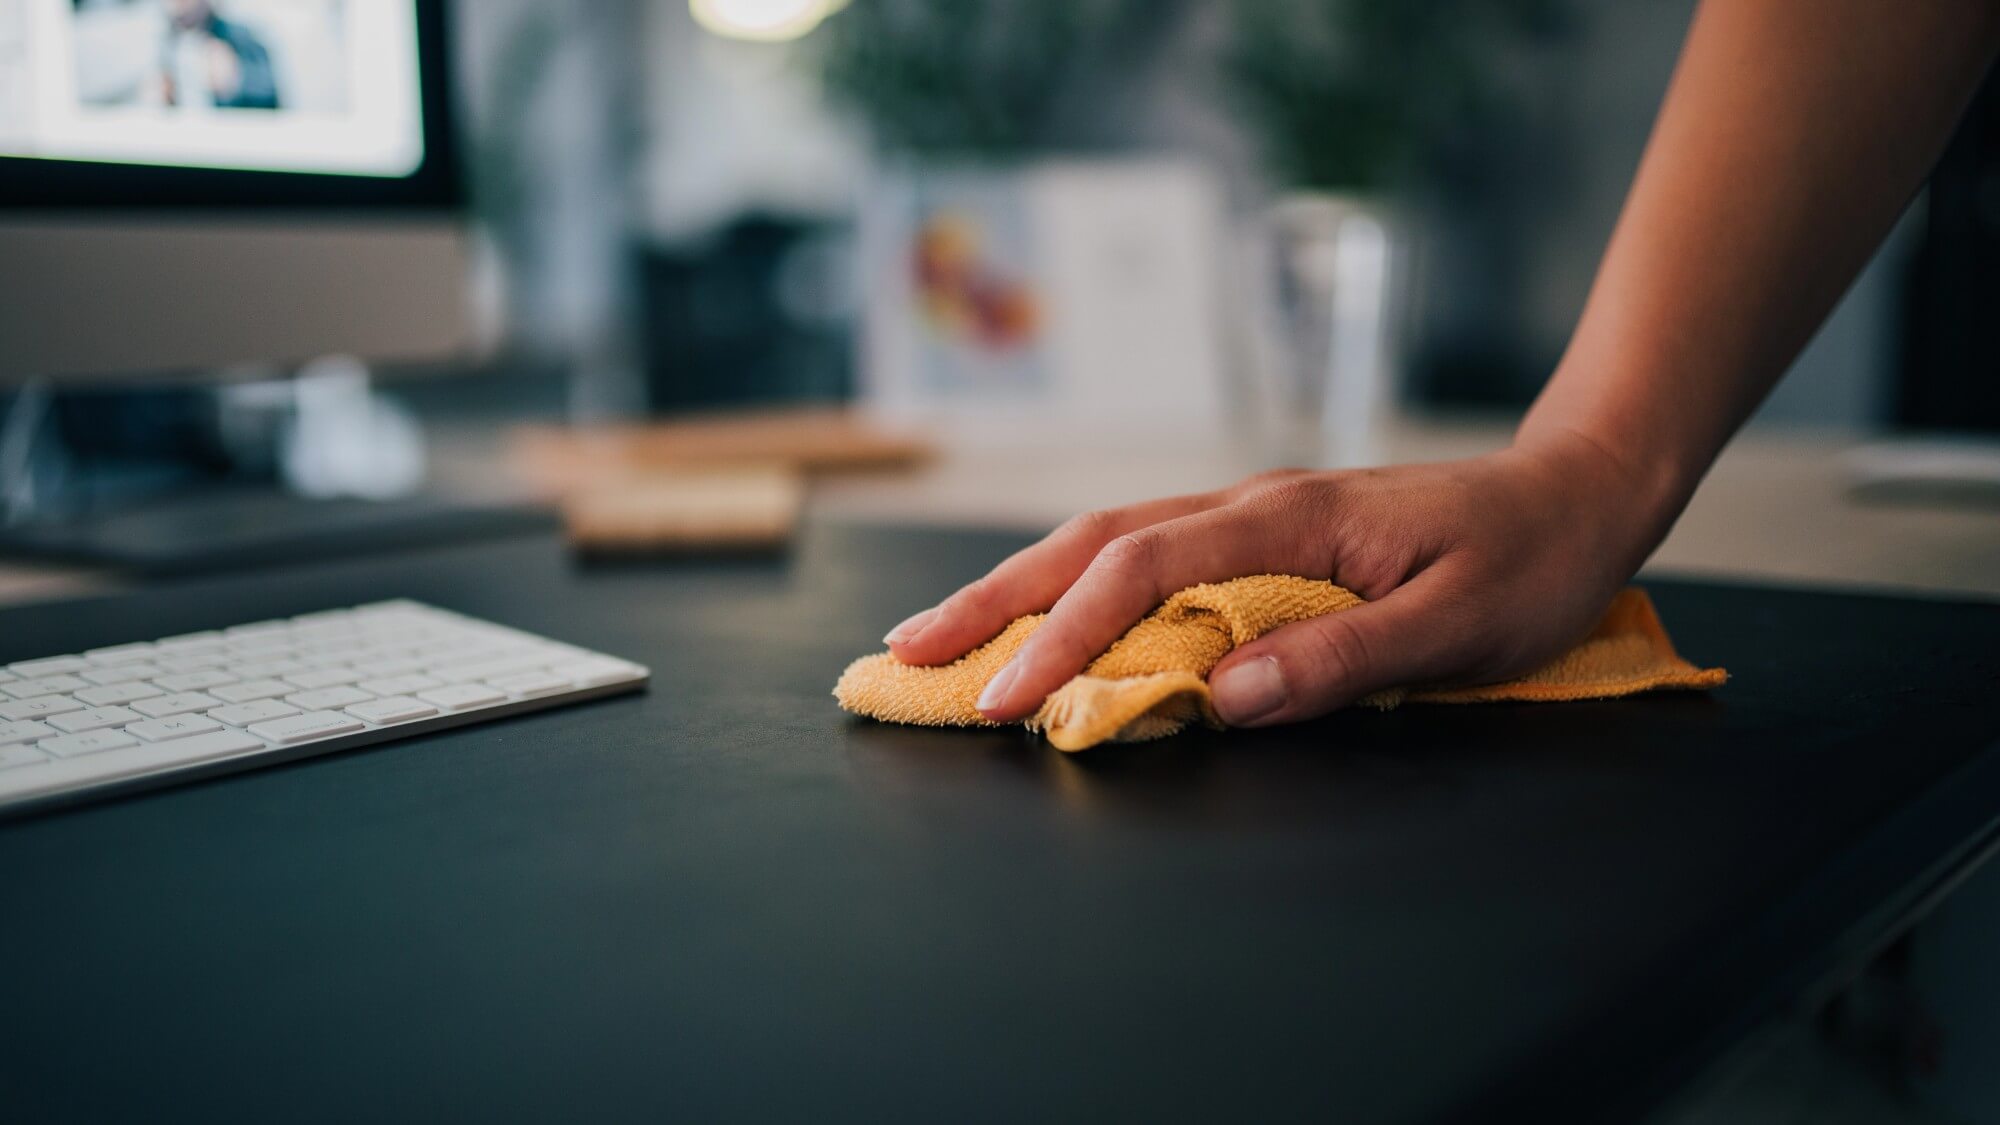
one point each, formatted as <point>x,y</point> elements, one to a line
<point>1295,514</point>
<point>977,597</point>
<point>1255,485</point>
<point>1270,477</point>
<point>1130,565</point>
<point>1297,492</point>
<point>1094,526</point>
<point>1129,556</point>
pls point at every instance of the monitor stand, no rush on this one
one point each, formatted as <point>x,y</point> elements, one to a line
<point>266,475</point>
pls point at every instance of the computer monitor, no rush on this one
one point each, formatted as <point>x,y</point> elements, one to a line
<point>187,185</point>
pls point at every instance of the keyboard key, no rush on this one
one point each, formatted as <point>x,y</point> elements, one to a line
<point>243,714</point>
<point>111,695</point>
<point>17,755</point>
<point>53,666</point>
<point>193,662</point>
<point>391,667</point>
<point>7,677</point>
<point>183,642</point>
<point>179,704</point>
<point>120,654</point>
<point>40,708</point>
<point>324,677</point>
<point>459,697</point>
<point>178,726</point>
<point>327,699</point>
<point>253,689</point>
<point>214,745</point>
<point>490,669</point>
<point>265,669</point>
<point>96,718</point>
<point>596,673</point>
<point>262,665</point>
<point>195,681</point>
<point>24,731</point>
<point>76,745</point>
<point>323,625</point>
<point>326,636</point>
<point>528,684</point>
<point>395,709</point>
<point>123,673</point>
<point>399,685</point>
<point>381,628</point>
<point>306,727</point>
<point>45,685</point>
<point>256,629</point>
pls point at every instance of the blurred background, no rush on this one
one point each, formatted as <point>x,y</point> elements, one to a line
<point>651,171</point>
<point>996,261</point>
<point>1209,235</point>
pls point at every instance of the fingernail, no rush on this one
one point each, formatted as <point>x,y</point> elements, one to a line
<point>997,687</point>
<point>908,630</point>
<point>1249,691</point>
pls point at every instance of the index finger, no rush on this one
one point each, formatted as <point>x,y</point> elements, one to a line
<point>1125,581</point>
<point>1029,581</point>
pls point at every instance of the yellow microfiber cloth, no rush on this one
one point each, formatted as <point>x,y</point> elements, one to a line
<point>1154,680</point>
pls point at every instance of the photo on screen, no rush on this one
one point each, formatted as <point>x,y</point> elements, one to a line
<point>261,56</point>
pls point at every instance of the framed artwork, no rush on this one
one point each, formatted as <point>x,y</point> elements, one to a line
<point>1050,293</point>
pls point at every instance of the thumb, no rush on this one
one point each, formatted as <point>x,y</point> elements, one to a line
<point>1321,664</point>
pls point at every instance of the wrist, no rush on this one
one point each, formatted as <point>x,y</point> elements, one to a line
<point>1657,445</point>
<point>1630,497</point>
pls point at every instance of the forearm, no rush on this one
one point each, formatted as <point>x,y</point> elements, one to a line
<point>1792,136</point>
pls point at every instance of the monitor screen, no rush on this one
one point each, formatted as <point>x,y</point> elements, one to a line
<point>329,87</point>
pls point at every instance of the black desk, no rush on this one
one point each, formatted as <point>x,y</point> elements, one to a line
<point>726,899</point>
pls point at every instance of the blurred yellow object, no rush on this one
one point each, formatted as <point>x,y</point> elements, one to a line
<point>768,21</point>
<point>948,243</point>
<point>1154,680</point>
<point>743,508</point>
<point>811,440</point>
<point>728,481</point>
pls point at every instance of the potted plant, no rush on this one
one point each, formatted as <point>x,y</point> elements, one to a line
<point>1352,103</point>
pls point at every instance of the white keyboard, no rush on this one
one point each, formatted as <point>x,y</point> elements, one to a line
<point>165,711</point>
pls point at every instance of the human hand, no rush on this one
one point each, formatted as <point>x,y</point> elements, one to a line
<point>1475,571</point>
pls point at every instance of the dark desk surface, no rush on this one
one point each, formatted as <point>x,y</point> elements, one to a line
<point>727,899</point>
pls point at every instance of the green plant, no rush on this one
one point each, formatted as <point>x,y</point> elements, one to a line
<point>1357,93</point>
<point>978,78</point>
